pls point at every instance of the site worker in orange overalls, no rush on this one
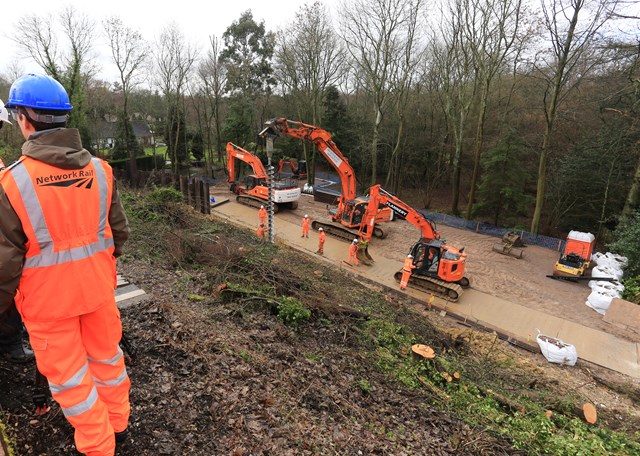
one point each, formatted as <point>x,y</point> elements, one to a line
<point>262,213</point>
<point>11,332</point>
<point>306,222</point>
<point>353,252</point>
<point>62,226</point>
<point>321,238</point>
<point>260,231</point>
<point>407,267</point>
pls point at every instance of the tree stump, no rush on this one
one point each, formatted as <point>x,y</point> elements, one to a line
<point>421,352</point>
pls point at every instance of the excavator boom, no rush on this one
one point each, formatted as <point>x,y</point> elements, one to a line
<point>255,192</point>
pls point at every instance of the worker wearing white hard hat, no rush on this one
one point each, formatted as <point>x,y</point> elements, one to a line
<point>407,268</point>
<point>306,223</point>
<point>353,253</point>
<point>4,119</point>
<point>4,115</point>
<point>262,214</point>
<point>321,238</point>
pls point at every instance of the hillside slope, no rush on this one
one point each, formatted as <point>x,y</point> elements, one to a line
<point>248,348</point>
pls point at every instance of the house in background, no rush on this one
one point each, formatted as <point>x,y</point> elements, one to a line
<point>105,134</point>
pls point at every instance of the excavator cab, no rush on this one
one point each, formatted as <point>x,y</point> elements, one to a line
<point>434,258</point>
<point>251,181</point>
<point>352,214</point>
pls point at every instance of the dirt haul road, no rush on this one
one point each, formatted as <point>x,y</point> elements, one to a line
<point>519,281</point>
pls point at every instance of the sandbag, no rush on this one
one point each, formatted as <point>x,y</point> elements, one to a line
<point>607,272</point>
<point>600,285</point>
<point>600,301</point>
<point>556,351</point>
<point>610,259</point>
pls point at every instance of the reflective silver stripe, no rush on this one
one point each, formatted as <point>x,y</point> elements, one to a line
<point>47,256</point>
<point>82,406</point>
<point>111,362</point>
<point>32,204</point>
<point>73,382</point>
<point>101,178</point>
<point>66,256</point>
<point>111,382</point>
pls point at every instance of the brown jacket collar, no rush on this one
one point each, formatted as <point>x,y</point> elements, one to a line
<point>60,147</point>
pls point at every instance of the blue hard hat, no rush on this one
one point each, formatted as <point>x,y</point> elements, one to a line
<point>39,92</point>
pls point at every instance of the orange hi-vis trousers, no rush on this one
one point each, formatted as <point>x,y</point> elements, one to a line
<point>404,281</point>
<point>84,365</point>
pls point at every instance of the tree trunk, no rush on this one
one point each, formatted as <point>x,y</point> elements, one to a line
<point>393,163</point>
<point>374,146</point>
<point>478,151</point>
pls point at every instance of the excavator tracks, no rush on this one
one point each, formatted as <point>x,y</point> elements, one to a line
<point>341,232</point>
<point>445,290</point>
<point>255,202</point>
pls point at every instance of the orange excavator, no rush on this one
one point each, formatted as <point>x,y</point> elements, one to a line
<point>348,216</point>
<point>439,267</point>
<point>298,171</point>
<point>255,191</point>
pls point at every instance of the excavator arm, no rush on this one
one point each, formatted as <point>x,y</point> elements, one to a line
<point>238,153</point>
<point>323,143</point>
<point>378,196</point>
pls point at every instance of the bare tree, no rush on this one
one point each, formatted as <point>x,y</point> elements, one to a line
<point>69,66</point>
<point>309,58</point>
<point>453,58</point>
<point>374,32</point>
<point>174,61</point>
<point>493,30</point>
<point>402,85</point>
<point>129,52</point>
<point>573,27</point>
<point>214,78</point>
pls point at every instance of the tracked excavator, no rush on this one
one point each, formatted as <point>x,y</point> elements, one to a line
<point>348,217</point>
<point>298,171</point>
<point>439,267</point>
<point>255,191</point>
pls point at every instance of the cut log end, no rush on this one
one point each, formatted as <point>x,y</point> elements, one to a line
<point>423,351</point>
<point>589,413</point>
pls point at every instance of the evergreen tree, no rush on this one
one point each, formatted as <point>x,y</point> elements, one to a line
<point>177,145</point>
<point>197,146</point>
<point>501,194</point>
<point>125,140</point>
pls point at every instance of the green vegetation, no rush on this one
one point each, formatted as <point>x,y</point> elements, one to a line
<point>501,193</point>
<point>292,312</point>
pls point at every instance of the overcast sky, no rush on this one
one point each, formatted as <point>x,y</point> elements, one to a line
<point>197,19</point>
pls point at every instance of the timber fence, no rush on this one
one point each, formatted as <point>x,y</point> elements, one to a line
<point>194,189</point>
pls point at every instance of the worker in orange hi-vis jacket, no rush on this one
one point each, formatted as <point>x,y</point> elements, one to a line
<point>62,226</point>
<point>353,252</point>
<point>406,271</point>
<point>262,213</point>
<point>306,221</point>
<point>321,238</point>
<point>260,231</point>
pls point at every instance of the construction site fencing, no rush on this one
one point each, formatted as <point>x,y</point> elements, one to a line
<point>194,189</point>
<point>528,238</point>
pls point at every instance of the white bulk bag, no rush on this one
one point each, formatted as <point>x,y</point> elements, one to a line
<point>600,301</point>
<point>607,287</point>
<point>556,351</point>
<point>606,272</point>
<point>615,259</point>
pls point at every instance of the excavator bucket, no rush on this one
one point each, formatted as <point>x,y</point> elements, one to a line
<point>363,254</point>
